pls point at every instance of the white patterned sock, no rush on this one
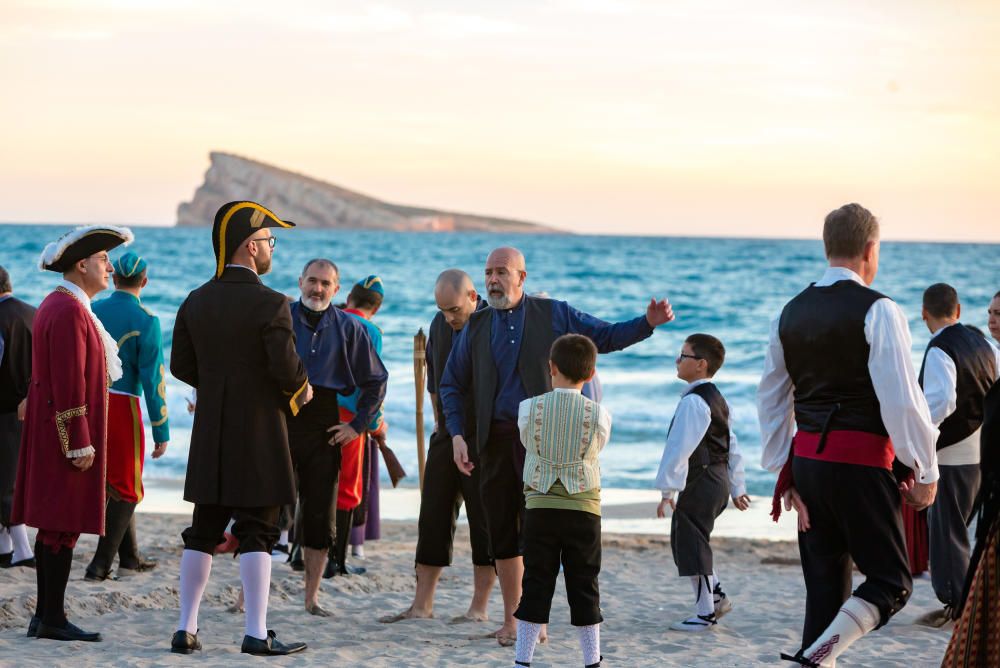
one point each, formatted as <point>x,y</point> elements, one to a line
<point>590,643</point>
<point>255,573</point>
<point>6,544</point>
<point>283,540</point>
<point>704,600</point>
<point>527,638</point>
<point>195,569</point>
<point>22,548</point>
<point>856,618</point>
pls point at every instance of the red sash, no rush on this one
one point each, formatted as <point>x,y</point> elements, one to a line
<point>846,447</point>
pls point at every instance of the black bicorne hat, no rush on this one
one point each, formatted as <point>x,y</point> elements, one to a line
<point>234,223</point>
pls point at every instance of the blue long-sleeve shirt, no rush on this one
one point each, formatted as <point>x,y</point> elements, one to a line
<point>506,332</point>
<point>338,355</point>
<point>350,402</point>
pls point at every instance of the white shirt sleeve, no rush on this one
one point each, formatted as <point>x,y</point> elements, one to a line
<point>903,406</point>
<point>775,405</point>
<point>691,421</point>
<point>940,385</point>
<point>523,413</point>
<point>604,426</point>
<point>737,476</point>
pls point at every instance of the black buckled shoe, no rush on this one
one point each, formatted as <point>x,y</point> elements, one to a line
<point>33,626</point>
<point>800,659</point>
<point>184,643</point>
<point>270,646</point>
<point>5,559</point>
<point>70,632</point>
<point>24,563</point>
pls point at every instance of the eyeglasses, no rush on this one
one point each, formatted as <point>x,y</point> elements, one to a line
<point>270,240</point>
<point>693,357</point>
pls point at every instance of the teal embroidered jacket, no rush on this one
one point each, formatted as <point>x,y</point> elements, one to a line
<point>140,348</point>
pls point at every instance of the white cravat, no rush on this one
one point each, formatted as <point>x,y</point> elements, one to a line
<point>111,359</point>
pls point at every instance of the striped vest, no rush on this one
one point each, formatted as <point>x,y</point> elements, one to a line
<point>563,442</point>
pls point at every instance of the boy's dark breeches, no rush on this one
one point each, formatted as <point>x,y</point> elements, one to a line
<point>574,538</point>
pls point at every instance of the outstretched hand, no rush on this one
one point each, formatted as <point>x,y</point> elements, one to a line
<point>659,312</point>
<point>793,500</point>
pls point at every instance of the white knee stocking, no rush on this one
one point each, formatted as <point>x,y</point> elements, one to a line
<point>704,599</point>
<point>527,638</point>
<point>22,548</point>
<point>6,544</point>
<point>195,569</point>
<point>856,618</point>
<point>590,643</point>
<point>255,572</point>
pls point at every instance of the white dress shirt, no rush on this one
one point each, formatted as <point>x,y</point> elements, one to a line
<point>903,406</point>
<point>691,421</point>
<point>941,391</point>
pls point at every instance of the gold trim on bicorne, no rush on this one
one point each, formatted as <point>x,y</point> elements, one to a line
<point>61,418</point>
<point>225,222</point>
<point>294,401</point>
<point>128,336</point>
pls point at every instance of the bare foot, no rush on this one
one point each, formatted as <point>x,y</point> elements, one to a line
<point>468,617</point>
<point>236,607</point>
<point>409,613</point>
<point>504,636</point>
<point>318,610</point>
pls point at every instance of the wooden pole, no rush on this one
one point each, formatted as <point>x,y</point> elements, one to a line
<point>419,381</point>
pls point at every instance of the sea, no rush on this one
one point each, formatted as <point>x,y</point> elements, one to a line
<point>730,288</point>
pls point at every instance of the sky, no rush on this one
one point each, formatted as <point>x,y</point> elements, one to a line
<point>634,117</point>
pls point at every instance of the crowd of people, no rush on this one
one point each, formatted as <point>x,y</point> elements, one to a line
<point>288,433</point>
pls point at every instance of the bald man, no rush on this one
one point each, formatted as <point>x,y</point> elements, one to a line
<point>500,359</point>
<point>444,487</point>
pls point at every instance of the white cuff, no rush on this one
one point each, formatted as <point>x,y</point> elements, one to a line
<point>738,492</point>
<point>667,494</point>
<point>81,452</point>
<point>928,476</point>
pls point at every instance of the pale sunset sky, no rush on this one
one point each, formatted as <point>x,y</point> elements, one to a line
<point>636,117</point>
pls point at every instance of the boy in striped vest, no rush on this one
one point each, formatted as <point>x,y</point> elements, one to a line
<point>702,467</point>
<point>563,433</point>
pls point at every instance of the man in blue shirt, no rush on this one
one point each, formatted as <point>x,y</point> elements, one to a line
<point>339,357</point>
<point>501,359</point>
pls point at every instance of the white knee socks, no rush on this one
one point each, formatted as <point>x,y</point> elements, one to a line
<point>856,618</point>
<point>704,598</point>
<point>22,548</point>
<point>527,638</point>
<point>195,569</point>
<point>6,544</point>
<point>590,644</point>
<point>255,573</point>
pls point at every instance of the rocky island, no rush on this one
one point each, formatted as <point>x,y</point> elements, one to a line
<point>309,202</point>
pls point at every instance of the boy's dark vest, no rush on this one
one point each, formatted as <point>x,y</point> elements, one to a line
<point>441,338</point>
<point>822,332</point>
<point>975,363</point>
<point>714,446</point>
<point>532,359</point>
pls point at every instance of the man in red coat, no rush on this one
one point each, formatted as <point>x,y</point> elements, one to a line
<point>61,471</point>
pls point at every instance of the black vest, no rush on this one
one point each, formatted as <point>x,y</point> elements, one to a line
<point>822,332</point>
<point>714,446</point>
<point>439,343</point>
<point>532,359</point>
<point>975,363</point>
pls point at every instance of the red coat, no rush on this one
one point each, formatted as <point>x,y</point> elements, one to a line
<point>67,410</point>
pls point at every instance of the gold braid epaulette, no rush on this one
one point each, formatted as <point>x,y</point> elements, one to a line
<point>61,418</point>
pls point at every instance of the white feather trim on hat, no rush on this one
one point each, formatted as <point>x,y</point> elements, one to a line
<point>54,250</point>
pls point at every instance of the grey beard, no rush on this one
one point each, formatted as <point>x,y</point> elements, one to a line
<point>314,304</point>
<point>498,302</point>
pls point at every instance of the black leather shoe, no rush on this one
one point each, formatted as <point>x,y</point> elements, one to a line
<point>69,632</point>
<point>331,569</point>
<point>33,626</point>
<point>24,563</point>
<point>270,646</point>
<point>5,559</point>
<point>184,643</point>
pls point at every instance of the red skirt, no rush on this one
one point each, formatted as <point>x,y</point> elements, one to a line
<point>915,528</point>
<point>126,447</point>
<point>352,460</point>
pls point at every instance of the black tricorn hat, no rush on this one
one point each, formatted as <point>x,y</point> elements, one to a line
<point>234,223</point>
<point>81,243</point>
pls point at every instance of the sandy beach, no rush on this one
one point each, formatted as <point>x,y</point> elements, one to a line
<point>641,596</point>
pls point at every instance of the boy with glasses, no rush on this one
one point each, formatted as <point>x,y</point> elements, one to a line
<point>701,466</point>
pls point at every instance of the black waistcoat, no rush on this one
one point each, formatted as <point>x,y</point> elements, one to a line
<point>532,359</point>
<point>439,343</point>
<point>975,363</point>
<point>714,446</point>
<point>822,333</point>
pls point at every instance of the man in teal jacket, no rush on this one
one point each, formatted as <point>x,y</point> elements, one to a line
<point>140,348</point>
